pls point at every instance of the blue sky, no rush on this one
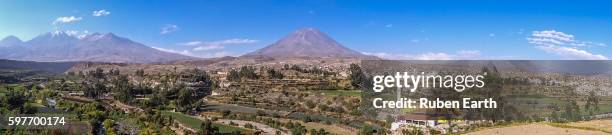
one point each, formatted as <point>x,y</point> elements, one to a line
<point>393,29</point>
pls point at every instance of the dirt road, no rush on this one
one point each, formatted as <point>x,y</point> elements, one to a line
<point>267,130</point>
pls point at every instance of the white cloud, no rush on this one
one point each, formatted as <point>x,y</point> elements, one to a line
<point>468,54</point>
<point>73,33</point>
<point>521,31</point>
<point>433,56</point>
<point>169,28</point>
<point>211,49</point>
<point>100,13</point>
<point>192,43</point>
<point>572,53</point>
<point>565,45</point>
<point>77,34</point>
<point>66,19</point>
<point>198,54</point>
<point>213,45</point>
<point>417,40</point>
<point>552,34</point>
<point>223,54</point>
<point>184,52</point>
<point>208,47</point>
<point>460,55</point>
<point>389,25</point>
<point>232,41</point>
<point>215,54</point>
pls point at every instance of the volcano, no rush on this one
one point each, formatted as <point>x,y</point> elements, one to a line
<point>307,43</point>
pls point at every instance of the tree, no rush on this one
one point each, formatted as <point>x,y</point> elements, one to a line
<point>248,72</point>
<point>185,99</point>
<point>389,119</point>
<point>140,72</point>
<point>95,126</point>
<point>28,108</point>
<point>236,132</point>
<point>306,119</point>
<point>124,90</point>
<point>367,130</point>
<point>572,111</point>
<point>416,131</point>
<point>95,90</point>
<point>109,125</point>
<point>310,104</point>
<point>114,72</point>
<point>15,99</point>
<point>233,75</point>
<point>297,129</point>
<point>275,74</point>
<point>321,131</point>
<point>226,113</point>
<point>207,128</point>
<point>248,125</point>
<point>357,76</point>
<point>555,110</point>
<point>592,103</point>
<point>98,73</point>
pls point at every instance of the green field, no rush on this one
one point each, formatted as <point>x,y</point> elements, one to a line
<point>604,109</point>
<point>233,108</point>
<point>195,123</point>
<point>543,102</point>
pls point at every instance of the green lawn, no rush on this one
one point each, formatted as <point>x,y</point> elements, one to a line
<point>195,123</point>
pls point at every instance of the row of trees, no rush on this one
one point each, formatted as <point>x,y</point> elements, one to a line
<point>247,72</point>
<point>571,111</point>
<point>312,70</point>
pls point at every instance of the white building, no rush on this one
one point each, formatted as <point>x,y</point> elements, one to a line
<point>416,120</point>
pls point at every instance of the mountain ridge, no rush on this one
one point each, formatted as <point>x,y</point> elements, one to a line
<point>63,46</point>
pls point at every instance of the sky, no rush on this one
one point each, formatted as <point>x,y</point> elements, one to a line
<point>500,29</point>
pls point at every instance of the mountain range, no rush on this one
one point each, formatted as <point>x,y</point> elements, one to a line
<point>62,46</point>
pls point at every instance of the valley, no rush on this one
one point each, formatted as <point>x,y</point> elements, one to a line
<point>277,91</point>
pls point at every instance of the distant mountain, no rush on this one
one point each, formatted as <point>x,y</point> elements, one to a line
<point>307,43</point>
<point>52,67</point>
<point>202,62</point>
<point>11,46</point>
<point>62,46</point>
<point>10,41</point>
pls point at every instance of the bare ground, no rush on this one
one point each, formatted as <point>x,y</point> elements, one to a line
<point>535,129</point>
<point>605,125</point>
